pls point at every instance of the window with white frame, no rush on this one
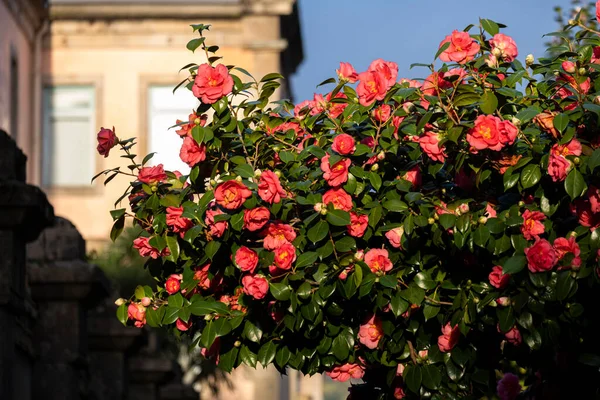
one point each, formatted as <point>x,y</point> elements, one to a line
<point>69,136</point>
<point>164,109</point>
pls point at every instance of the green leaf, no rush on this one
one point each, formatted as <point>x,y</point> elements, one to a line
<point>318,231</point>
<point>454,372</point>
<point>338,217</point>
<point>431,376</point>
<point>375,180</point>
<point>247,356</point>
<point>442,49</point>
<point>282,356</point>
<point>465,99</point>
<point>490,27</point>
<point>395,205</point>
<point>481,236</point>
<point>345,244</point>
<point>560,122</point>
<point>140,293</point>
<point>173,245</point>
<point>527,114</point>
<point>506,319</point>
<point>152,317</point>
<point>281,291</point>
<point>514,264</point>
<point>564,285</point>
<point>171,315</point>
<point>424,281</point>
<point>398,305</point>
<point>342,344</point>
<point>175,300</point>
<point>306,259</point>
<point>271,77</point>
<point>193,44</point>
<point>575,185</point>
<point>211,248</point>
<point>594,160</point>
<point>447,220</point>
<point>244,170</point>
<point>117,228</point>
<point>375,215</point>
<point>122,314</point>
<point>116,214</point>
<point>252,332</point>
<point>388,281</point>
<point>489,103</point>
<point>412,375</point>
<point>266,354</point>
<point>530,175</point>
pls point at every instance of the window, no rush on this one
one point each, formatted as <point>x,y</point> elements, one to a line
<point>164,109</point>
<point>14,96</point>
<point>69,136</point>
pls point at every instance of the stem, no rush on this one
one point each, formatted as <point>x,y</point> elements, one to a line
<point>413,355</point>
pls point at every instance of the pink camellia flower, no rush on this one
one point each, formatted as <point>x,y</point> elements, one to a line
<point>137,313</point>
<point>142,244</point>
<point>498,279</point>
<point>593,195</point>
<point>191,152</point>
<point>387,69</point>
<point>569,66</point>
<point>508,387</point>
<point>399,393</point>
<point>173,284</point>
<point>152,175</point>
<point>532,226</point>
<point>558,166</point>
<point>201,274</point>
<point>490,132</point>
<point>336,109</point>
<point>216,229</point>
<point>246,259</point>
<point>277,234</point>
<point>256,218</point>
<point>370,332</point>
<point>413,175</point>
<point>504,47</point>
<point>598,11</point>
<point>344,274</point>
<point>449,337</point>
<point>211,83</point>
<point>513,336</point>
<point>106,141</point>
<point>371,86</point>
<point>563,246</point>
<point>462,48</point>
<point>395,237</point>
<point>378,261</point>
<point>400,369</point>
<point>256,286</point>
<point>176,222</point>
<point>358,224</point>
<point>285,255</point>
<point>336,174</point>
<point>429,143</point>
<point>193,120</point>
<point>304,108</point>
<point>338,198</point>
<point>345,372</point>
<point>231,194</point>
<point>382,113</point>
<point>269,188</point>
<point>182,325</point>
<point>347,72</point>
<point>540,256</point>
<point>343,144</point>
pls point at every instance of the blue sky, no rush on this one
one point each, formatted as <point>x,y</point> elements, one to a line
<point>405,31</point>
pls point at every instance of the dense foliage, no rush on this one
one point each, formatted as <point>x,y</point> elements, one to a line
<point>436,238</point>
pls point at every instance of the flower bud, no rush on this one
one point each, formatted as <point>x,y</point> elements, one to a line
<point>197,121</point>
<point>572,22</point>
<point>154,188</point>
<point>120,301</point>
<point>503,301</point>
<point>582,71</point>
<point>522,371</point>
<point>529,59</point>
<point>257,173</point>
<point>436,217</point>
<point>572,234</point>
<point>521,203</point>
<point>568,66</point>
<point>381,156</point>
<point>276,149</point>
<point>482,220</point>
<point>237,343</point>
<point>430,221</point>
<point>597,100</point>
<point>464,208</point>
<point>146,301</point>
<point>208,317</point>
<point>278,173</point>
<point>324,211</point>
<point>359,255</point>
<point>577,160</point>
<point>516,121</point>
<point>556,73</point>
<point>238,178</point>
<point>496,52</point>
<point>374,167</point>
<point>319,206</point>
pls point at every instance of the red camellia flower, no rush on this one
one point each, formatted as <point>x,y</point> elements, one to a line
<point>106,141</point>
<point>532,226</point>
<point>563,246</point>
<point>540,256</point>
<point>382,113</point>
<point>278,234</point>
<point>142,244</point>
<point>336,109</point>
<point>558,166</point>
<point>343,144</point>
<point>387,69</point>
<point>152,175</point>
<point>178,223</point>
<point>285,255</point>
<point>201,274</point>
<point>256,286</point>
<point>256,218</point>
<point>173,284</point>
<point>371,86</point>
<point>246,259</point>
<point>182,325</point>
<point>269,188</point>
<point>358,224</point>
<point>378,261</point>
<point>498,279</point>
<point>492,133</point>
<point>395,237</point>
<point>216,229</point>
<point>337,174</point>
<point>231,194</point>
<point>211,83</point>
<point>338,198</point>
<point>513,336</point>
<point>504,47</point>
<point>429,143</point>
<point>137,313</point>
<point>413,175</point>
<point>598,11</point>
<point>370,332</point>
<point>191,152</point>
<point>462,48</point>
<point>347,72</point>
<point>345,372</point>
<point>193,120</point>
<point>449,337</point>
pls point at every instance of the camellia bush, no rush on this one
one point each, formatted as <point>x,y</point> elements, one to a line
<point>433,238</point>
